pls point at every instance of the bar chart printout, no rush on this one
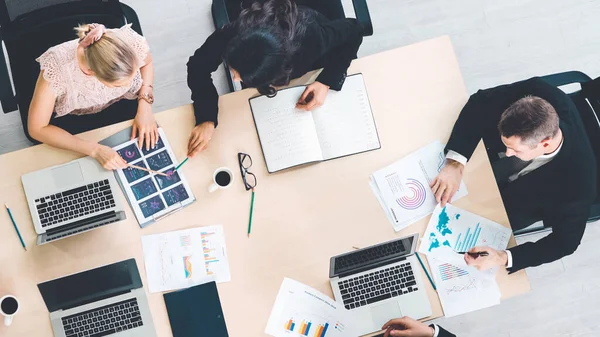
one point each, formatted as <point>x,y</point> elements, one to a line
<point>448,271</point>
<point>184,258</point>
<point>453,229</point>
<point>466,241</point>
<point>290,325</point>
<point>302,311</point>
<point>322,330</point>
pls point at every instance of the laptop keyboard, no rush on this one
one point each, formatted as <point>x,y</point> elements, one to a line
<point>75,203</point>
<point>378,286</point>
<point>104,321</point>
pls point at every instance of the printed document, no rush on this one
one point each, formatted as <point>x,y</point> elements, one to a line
<point>402,188</point>
<point>300,310</point>
<point>180,259</point>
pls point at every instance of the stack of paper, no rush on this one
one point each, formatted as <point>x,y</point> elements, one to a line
<point>184,258</point>
<point>461,288</point>
<point>403,187</point>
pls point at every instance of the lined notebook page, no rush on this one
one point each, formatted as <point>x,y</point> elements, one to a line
<point>345,123</point>
<point>288,136</point>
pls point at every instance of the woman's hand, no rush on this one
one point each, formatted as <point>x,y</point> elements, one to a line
<point>144,126</point>
<point>200,137</point>
<point>313,97</point>
<point>108,158</point>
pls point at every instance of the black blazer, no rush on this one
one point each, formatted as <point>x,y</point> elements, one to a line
<point>331,45</point>
<point>560,192</point>
<point>445,333</point>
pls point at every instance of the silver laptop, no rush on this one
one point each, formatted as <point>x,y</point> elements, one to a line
<point>69,199</point>
<point>379,283</point>
<point>105,301</point>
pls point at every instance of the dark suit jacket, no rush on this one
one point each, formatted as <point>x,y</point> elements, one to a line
<point>560,192</point>
<point>331,45</point>
<point>444,333</point>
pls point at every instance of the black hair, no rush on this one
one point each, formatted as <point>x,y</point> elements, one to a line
<point>269,34</point>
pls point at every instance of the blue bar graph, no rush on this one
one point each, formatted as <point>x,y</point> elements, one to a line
<point>325,329</point>
<point>465,240</point>
<point>469,240</point>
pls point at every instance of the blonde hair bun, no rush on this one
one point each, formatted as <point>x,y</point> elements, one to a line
<point>110,57</point>
<point>83,30</point>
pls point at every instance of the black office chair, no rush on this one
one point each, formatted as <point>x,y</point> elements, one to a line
<point>589,92</point>
<point>29,27</point>
<point>223,10</point>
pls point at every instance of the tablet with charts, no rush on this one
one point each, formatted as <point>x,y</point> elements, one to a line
<point>150,195</point>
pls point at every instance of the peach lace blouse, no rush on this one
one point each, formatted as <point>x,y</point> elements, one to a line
<point>78,93</point>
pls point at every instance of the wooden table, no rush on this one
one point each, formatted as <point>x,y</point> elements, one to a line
<point>302,216</point>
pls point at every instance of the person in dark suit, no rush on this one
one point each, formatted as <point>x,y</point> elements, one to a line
<point>408,327</point>
<point>270,43</point>
<point>542,161</point>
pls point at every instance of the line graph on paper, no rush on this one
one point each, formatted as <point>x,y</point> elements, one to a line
<point>469,284</point>
<point>166,262</point>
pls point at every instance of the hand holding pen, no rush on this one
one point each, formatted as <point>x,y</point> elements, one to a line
<point>475,254</point>
<point>484,258</point>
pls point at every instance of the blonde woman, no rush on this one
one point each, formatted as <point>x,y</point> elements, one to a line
<point>85,76</point>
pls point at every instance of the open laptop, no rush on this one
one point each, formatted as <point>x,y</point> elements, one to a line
<point>68,199</point>
<point>379,283</point>
<point>106,301</point>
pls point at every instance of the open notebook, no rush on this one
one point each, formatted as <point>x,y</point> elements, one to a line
<point>343,126</point>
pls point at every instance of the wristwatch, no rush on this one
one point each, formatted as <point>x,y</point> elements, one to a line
<point>146,97</point>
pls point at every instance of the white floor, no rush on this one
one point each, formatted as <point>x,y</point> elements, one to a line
<point>497,41</point>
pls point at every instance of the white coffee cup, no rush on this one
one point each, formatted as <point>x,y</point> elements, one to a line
<point>222,178</point>
<point>11,304</point>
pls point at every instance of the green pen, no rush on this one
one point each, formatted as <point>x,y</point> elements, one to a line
<point>251,210</point>
<point>180,165</point>
<point>425,270</point>
<point>15,225</point>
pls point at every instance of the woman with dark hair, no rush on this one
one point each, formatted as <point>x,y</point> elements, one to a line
<point>270,43</point>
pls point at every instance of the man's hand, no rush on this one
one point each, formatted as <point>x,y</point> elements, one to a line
<point>313,97</point>
<point>407,327</point>
<point>495,258</point>
<point>200,137</point>
<point>445,185</point>
<point>144,126</point>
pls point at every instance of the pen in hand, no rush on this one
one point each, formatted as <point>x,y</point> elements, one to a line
<point>475,254</point>
<point>307,99</point>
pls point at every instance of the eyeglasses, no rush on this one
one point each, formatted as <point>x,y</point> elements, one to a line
<point>245,162</point>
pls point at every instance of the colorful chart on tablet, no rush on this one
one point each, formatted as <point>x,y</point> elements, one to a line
<point>130,153</point>
<point>151,195</point>
<point>133,174</point>
<point>143,189</point>
<point>159,145</point>
<point>171,179</point>
<point>159,161</point>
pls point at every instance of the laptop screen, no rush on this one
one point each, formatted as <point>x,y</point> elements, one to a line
<point>91,285</point>
<point>369,257</point>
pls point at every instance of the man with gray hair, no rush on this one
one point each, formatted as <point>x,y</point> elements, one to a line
<point>542,161</point>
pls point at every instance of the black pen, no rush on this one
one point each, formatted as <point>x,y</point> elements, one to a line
<point>475,255</point>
